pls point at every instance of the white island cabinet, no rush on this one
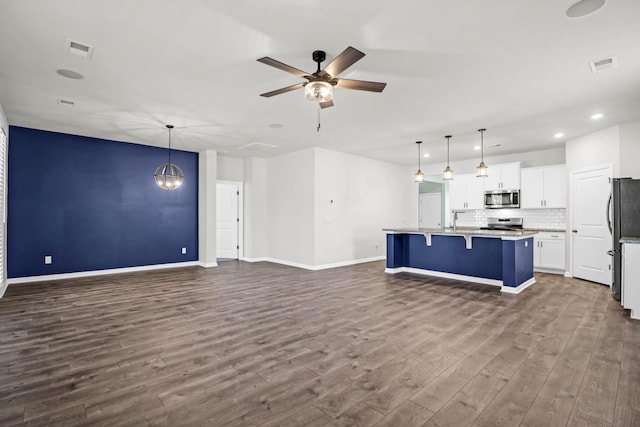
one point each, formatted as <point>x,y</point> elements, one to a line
<point>631,276</point>
<point>466,191</point>
<point>543,187</point>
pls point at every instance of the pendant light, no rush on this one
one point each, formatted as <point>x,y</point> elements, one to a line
<point>482,168</point>
<point>169,176</point>
<point>419,174</point>
<point>448,172</point>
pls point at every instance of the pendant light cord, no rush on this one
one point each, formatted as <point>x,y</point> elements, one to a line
<point>482,145</point>
<point>448,137</point>
<point>169,127</point>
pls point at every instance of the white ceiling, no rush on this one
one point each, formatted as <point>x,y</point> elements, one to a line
<point>519,68</point>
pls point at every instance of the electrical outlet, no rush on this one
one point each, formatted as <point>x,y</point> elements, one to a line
<point>48,259</point>
<point>184,251</point>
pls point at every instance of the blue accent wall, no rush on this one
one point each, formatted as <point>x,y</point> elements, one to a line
<point>92,204</point>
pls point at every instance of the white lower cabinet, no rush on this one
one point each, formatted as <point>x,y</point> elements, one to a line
<point>549,252</point>
<point>631,278</point>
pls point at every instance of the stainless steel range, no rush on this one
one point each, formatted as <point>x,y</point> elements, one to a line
<point>503,224</point>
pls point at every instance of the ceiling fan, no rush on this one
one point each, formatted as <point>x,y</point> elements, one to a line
<point>319,85</point>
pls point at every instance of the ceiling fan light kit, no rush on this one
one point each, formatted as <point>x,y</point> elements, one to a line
<point>318,91</point>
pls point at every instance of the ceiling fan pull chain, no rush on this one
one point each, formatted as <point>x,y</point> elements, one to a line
<point>319,109</point>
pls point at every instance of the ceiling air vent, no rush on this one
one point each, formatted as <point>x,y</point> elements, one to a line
<point>603,64</point>
<point>79,49</point>
<point>256,147</point>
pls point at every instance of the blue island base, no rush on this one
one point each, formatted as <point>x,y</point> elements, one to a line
<point>504,261</point>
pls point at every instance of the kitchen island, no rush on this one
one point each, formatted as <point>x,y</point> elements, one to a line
<point>492,257</point>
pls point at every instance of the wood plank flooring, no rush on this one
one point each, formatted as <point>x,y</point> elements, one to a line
<point>263,344</point>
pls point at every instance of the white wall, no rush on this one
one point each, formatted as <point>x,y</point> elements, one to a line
<point>290,207</point>
<point>256,220</point>
<point>630,150</point>
<point>207,165</point>
<point>230,168</point>
<point>594,149</point>
<point>554,156</point>
<point>355,198</point>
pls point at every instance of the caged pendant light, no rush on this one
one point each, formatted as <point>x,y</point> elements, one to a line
<point>169,176</point>
<point>482,168</point>
<point>448,172</point>
<point>419,174</point>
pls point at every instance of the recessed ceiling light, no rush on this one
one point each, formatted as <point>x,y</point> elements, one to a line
<point>597,116</point>
<point>476,147</point>
<point>275,125</point>
<point>425,155</point>
<point>584,8</point>
<point>70,74</point>
<point>558,135</point>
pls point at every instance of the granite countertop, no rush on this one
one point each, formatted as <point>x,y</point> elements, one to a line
<point>462,231</point>
<point>630,239</point>
<point>545,230</point>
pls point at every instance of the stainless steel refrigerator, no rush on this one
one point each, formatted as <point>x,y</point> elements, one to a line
<point>624,221</point>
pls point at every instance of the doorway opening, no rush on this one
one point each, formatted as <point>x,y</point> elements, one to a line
<point>431,204</point>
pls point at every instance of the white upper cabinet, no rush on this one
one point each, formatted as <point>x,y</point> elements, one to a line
<point>466,192</point>
<point>504,176</point>
<point>543,187</point>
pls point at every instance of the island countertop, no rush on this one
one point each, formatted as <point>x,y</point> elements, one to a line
<point>463,231</point>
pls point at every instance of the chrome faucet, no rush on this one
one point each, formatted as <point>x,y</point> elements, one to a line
<point>455,218</point>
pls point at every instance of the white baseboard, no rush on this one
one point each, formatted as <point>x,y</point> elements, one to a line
<point>568,274</point>
<point>481,280</point>
<point>63,276</point>
<point>548,270</point>
<point>519,288</point>
<point>207,264</point>
<point>261,259</point>
<point>315,267</point>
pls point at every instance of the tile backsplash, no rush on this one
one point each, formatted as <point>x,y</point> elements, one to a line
<point>532,218</point>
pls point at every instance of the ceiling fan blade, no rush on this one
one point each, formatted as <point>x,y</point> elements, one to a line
<point>283,90</point>
<point>347,58</point>
<point>282,66</point>
<point>326,104</point>
<point>360,85</point>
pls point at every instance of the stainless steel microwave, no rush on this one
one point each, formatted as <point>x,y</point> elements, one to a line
<point>497,199</point>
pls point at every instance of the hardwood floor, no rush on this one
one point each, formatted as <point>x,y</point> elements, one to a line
<point>262,344</point>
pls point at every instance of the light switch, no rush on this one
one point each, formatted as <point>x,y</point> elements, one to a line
<point>184,251</point>
<point>47,259</point>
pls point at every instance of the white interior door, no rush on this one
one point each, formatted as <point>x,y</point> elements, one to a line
<point>430,210</point>
<point>227,220</point>
<point>591,239</point>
